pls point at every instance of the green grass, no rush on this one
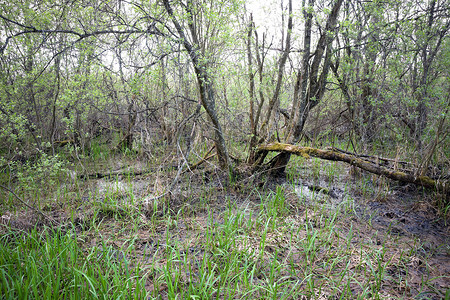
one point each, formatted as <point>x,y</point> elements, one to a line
<point>258,252</point>
<point>277,245</point>
<point>49,264</point>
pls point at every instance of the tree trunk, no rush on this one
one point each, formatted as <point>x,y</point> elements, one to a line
<point>253,129</point>
<point>56,89</point>
<point>287,49</point>
<point>260,58</point>
<point>205,84</point>
<point>313,84</point>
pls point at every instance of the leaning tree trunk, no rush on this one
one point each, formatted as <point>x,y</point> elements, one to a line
<point>205,83</point>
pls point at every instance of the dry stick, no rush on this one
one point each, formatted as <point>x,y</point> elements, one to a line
<point>30,206</point>
<point>368,156</point>
<point>204,158</point>
<point>179,172</point>
<point>111,174</point>
<point>195,166</point>
<point>180,169</point>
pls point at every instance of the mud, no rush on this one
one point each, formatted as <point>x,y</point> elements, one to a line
<point>393,213</point>
<point>377,214</point>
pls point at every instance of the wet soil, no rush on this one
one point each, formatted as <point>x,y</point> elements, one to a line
<point>384,210</point>
<point>380,214</point>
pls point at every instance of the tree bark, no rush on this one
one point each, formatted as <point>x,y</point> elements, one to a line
<point>251,78</point>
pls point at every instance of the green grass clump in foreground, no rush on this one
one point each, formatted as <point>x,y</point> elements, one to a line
<point>50,265</point>
<point>280,246</point>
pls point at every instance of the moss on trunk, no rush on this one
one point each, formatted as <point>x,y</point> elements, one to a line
<point>425,181</point>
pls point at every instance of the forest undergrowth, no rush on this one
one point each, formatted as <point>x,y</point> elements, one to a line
<point>321,232</point>
<point>224,149</point>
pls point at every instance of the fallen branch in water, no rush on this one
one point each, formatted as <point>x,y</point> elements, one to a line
<point>114,174</point>
<point>425,181</point>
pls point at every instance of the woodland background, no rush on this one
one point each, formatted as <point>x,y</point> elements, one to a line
<point>178,149</point>
<point>132,74</point>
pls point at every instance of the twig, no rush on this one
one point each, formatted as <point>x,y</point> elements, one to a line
<point>175,180</point>
<point>204,158</point>
<point>30,206</point>
<point>371,156</point>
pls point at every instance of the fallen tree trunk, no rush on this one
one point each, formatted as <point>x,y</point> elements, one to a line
<point>129,173</point>
<point>425,181</point>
